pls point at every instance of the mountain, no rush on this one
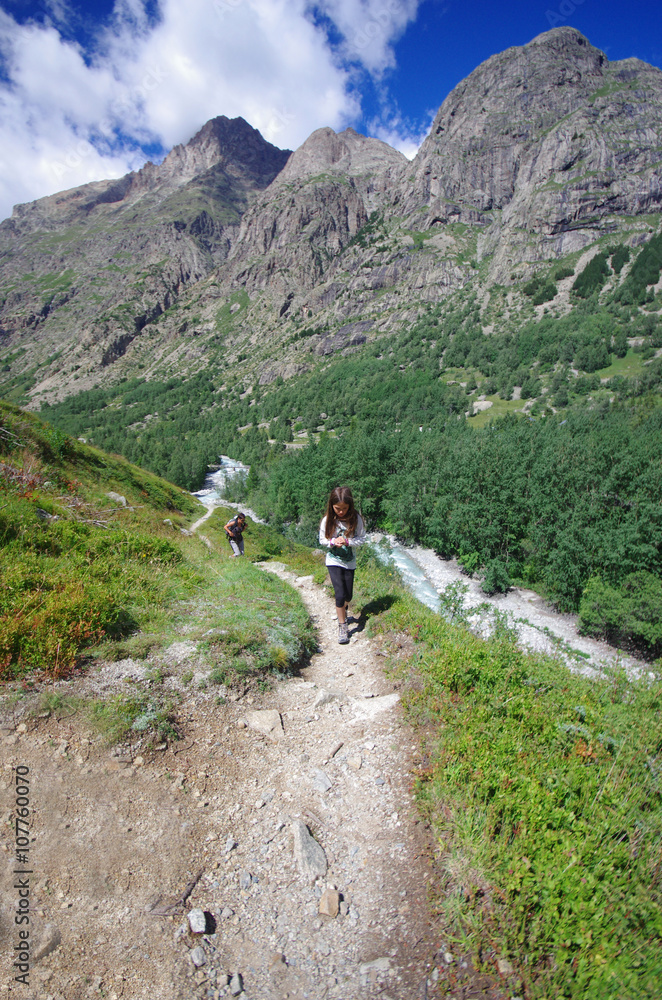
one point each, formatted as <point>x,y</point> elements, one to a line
<point>543,146</point>
<point>84,271</point>
<point>232,252</point>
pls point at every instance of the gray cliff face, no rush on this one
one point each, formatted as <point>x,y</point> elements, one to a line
<point>471,161</point>
<point>541,151</point>
<point>311,211</point>
<point>547,139</point>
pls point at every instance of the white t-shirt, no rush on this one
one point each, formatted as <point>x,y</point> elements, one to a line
<point>358,538</point>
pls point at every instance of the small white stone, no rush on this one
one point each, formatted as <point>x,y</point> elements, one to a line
<point>197,921</point>
<point>198,957</point>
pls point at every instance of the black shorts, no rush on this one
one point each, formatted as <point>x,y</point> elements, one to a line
<point>343,584</point>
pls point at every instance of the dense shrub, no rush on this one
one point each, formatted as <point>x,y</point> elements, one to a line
<point>645,271</point>
<point>593,277</point>
<point>620,258</point>
<point>563,271</point>
<point>630,613</point>
<point>496,579</point>
<point>540,290</point>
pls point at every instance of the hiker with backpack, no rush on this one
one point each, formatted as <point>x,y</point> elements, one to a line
<point>341,531</point>
<point>233,529</point>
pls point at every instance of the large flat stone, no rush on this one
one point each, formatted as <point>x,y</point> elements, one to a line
<point>368,708</point>
<point>266,721</point>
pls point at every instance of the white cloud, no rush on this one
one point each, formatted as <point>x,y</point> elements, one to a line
<point>392,128</point>
<point>261,59</point>
<point>68,117</point>
<point>406,145</point>
<point>370,27</point>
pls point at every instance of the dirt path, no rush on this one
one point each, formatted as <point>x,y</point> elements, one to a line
<point>259,820</point>
<point>201,520</point>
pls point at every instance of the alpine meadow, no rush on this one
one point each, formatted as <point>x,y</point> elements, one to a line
<point>470,340</point>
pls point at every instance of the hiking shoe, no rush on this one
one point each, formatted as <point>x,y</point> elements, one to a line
<point>343,637</point>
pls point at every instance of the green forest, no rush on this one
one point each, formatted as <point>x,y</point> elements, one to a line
<point>560,490</point>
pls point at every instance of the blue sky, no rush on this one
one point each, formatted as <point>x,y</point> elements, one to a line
<point>90,90</point>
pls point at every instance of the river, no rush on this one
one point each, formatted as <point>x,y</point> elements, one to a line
<point>211,494</point>
<point>538,625</point>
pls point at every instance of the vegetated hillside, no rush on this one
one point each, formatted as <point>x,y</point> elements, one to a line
<point>542,787</point>
<point>233,254</point>
<point>543,791</point>
<point>97,564</point>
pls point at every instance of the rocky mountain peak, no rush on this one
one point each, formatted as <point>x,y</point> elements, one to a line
<point>516,93</point>
<point>544,149</point>
<point>571,44</point>
<point>225,146</point>
<point>348,153</point>
<point>553,114</point>
<point>229,143</point>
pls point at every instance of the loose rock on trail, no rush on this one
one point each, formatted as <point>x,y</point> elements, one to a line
<point>273,853</point>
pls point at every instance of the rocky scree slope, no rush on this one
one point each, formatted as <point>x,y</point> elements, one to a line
<point>540,152</point>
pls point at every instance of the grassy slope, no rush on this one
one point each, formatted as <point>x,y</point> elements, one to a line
<point>87,577</point>
<point>543,791</point>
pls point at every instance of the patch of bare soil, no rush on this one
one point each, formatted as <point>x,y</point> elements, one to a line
<point>285,818</point>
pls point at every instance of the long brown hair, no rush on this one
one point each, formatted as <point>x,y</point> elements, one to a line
<point>341,494</point>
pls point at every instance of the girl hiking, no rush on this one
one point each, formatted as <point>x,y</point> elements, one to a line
<point>341,530</point>
<point>233,529</point>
